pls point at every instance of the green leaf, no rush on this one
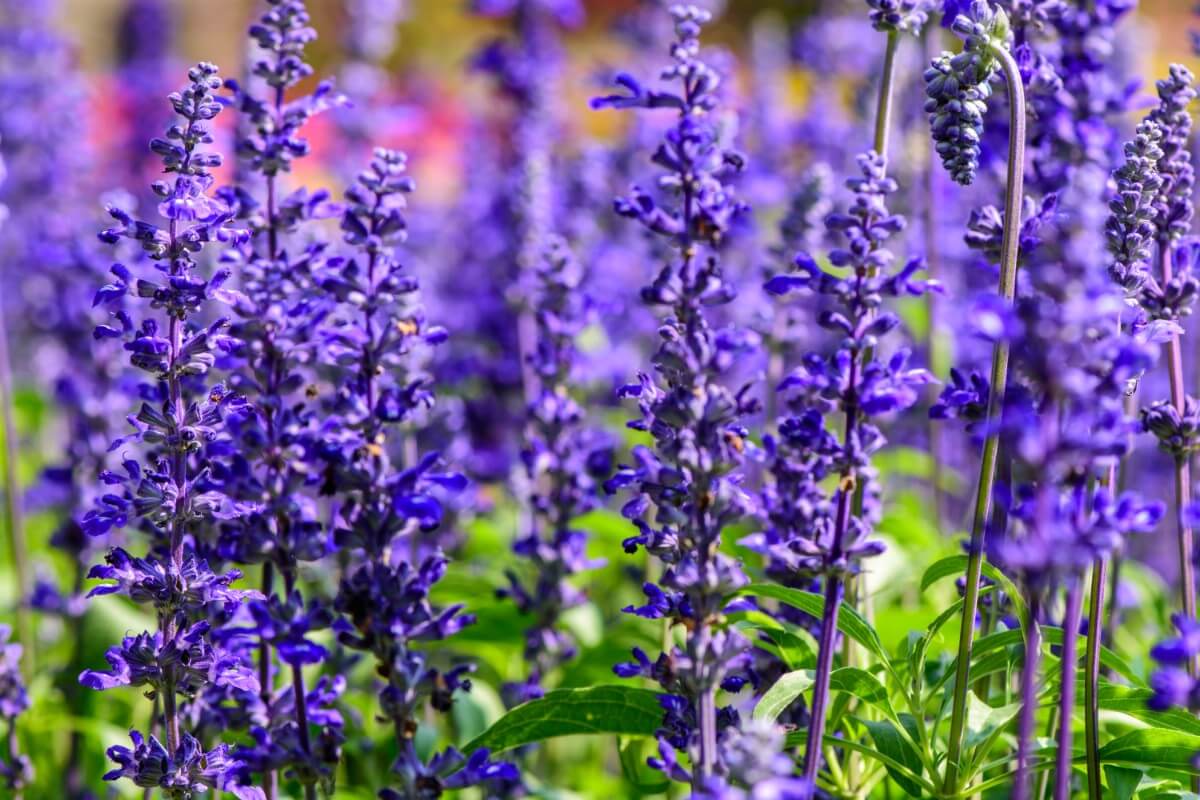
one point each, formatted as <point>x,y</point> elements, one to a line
<point>921,648</point>
<point>797,739</point>
<point>1050,636</point>
<point>943,568</point>
<point>790,643</point>
<point>1149,747</point>
<point>850,622</point>
<point>891,743</point>
<point>1054,636</point>
<point>567,712</point>
<point>983,720</point>
<point>776,699</point>
<point>957,565</point>
<point>1122,781</point>
<point>862,685</point>
<point>1132,701</point>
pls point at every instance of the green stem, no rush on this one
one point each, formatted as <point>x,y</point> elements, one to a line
<point>883,107</point>
<point>1014,191</point>
<point>933,348</point>
<point>1091,702</point>
<point>14,518</point>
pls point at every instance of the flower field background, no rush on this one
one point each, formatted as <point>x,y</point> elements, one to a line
<point>548,398</point>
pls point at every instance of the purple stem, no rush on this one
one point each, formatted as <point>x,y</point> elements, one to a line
<point>300,696</point>
<point>1183,476</point>
<point>825,650</point>
<point>1091,700</point>
<point>1025,724</point>
<point>270,779</point>
<point>180,478</point>
<point>1070,658</point>
<point>266,693</point>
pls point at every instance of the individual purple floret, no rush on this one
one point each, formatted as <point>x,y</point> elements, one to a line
<point>754,760</point>
<point>185,772</point>
<point>1173,686</point>
<point>687,487</point>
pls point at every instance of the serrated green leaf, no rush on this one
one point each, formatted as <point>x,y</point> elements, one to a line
<point>782,694</point>
<point>567,712</point>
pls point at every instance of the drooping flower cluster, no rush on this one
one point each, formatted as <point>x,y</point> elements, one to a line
<point>168,489</point>
<point>958,88</point>
<point>1130,229</point>
<point>687,487</point>
<point>385,506</point>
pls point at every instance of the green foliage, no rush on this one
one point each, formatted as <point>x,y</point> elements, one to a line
<point>620,710</point>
